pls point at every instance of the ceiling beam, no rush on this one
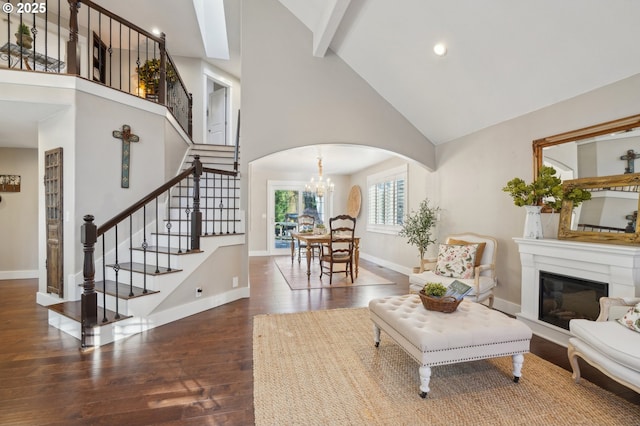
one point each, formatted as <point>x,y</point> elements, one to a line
<point>328,25</point>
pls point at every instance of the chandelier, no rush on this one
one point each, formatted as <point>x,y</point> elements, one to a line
<point>319,186</point>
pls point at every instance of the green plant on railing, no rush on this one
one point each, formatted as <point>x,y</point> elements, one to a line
<point>23,36</point>
<point>149,74</point>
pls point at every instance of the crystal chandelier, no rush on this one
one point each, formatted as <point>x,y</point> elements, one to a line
<point>319,186</point>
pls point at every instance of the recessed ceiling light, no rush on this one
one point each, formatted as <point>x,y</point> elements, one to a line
<point>440,49</point>
<point>155,31</point>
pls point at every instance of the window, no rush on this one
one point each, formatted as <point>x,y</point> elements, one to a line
<point>387,200</point>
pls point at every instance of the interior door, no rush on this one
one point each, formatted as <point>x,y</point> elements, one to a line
<point>216,116</point>
<point>54,228</point>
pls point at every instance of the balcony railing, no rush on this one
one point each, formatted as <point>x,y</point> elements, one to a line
<point>85,39</point>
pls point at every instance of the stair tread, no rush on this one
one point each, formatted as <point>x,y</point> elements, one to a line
<point>123,290</point>
<point>165,250</point>
<point>73,310</point>
<point>145,269</point>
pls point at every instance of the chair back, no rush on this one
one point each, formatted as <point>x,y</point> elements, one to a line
<point>306,222</point>
<point>342,230</point>
<point>490,249</point>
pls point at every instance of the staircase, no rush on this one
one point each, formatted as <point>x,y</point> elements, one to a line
<point>156,265</point>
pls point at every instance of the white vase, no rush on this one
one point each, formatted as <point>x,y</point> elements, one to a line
<point>533,222</point>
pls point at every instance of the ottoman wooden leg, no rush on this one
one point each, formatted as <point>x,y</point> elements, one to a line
<point>425,377</point>
<point>518,360</point>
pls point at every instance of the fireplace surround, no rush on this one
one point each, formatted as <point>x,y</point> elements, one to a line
<point>616,265</point>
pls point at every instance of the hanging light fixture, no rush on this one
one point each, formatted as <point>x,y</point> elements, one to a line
<point>319,186</point>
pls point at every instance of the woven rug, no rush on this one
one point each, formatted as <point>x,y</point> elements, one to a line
<point>322,368</point>
<point>296,275</point>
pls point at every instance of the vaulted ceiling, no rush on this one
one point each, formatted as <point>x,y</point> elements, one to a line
<point>505,58</point>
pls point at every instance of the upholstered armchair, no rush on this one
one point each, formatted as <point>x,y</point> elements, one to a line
<point>453,264</point>
<point>611,346</point>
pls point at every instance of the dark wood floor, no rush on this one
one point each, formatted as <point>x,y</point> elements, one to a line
<point>197,371</point>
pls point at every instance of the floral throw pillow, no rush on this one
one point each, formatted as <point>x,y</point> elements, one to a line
<point>456,260</point>
<point>632,318</point>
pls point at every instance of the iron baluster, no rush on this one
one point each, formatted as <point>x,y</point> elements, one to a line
<point>206,204</point>
<point>131,255</point>
<point>169,231</point>
<point>228,194</point>
<point>116,268</point>
<point>187,213</point>
<point>221,205</point>
<point>144,248</point>
<point>235,197</point>
<point>196,221</point>
<point>157,240</point>
<point>179,217</point>
<point>104,282</point>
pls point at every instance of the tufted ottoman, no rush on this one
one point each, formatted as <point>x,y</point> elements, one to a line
<point>432,338</point>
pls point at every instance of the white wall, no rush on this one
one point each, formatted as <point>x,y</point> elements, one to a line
<point>473,169</point>
<point>291,98</point>
<point>19,215</point>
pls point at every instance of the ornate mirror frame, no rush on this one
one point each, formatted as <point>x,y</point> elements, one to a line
<point>598,183</point>
<point>622,124</point>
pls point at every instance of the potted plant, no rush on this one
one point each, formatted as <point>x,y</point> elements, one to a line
<point>23,36</point>
<point>434,289</point>
<point>547,191</point>
<point>417,228</point>
<point>149,75</point>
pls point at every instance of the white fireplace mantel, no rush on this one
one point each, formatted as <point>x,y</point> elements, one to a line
<point>617,265</point>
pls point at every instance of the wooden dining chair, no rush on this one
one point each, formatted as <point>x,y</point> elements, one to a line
<point>306,224</point>
<point>339,249</point>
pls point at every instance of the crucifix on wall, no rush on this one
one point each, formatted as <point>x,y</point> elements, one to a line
<point>127,137</point>
<point>630,156</point>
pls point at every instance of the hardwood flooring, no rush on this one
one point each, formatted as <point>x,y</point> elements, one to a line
<point>196,371</point>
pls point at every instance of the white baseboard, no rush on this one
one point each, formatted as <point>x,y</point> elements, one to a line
<point>259,253</point>
<point>389,265</point>
<point>18,275</point>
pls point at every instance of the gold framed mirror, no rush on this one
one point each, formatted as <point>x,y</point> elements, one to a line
<point>615,134</point>
<point>611,214</point>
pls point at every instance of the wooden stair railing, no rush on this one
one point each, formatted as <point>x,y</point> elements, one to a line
<point>223,191</point>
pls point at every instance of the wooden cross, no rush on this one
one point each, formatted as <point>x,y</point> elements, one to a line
<point>629,157</point>
<point>127,137</point>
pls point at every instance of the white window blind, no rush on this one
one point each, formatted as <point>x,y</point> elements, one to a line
<point>387,200</point>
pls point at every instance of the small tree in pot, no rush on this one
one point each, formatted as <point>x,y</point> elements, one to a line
<point>417,228</point>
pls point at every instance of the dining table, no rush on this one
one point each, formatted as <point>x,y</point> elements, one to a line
<point>311,238</point>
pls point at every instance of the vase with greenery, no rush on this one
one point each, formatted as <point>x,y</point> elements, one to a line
<point>417,228</point>
<point>547,191</point>
<point>23,36</point>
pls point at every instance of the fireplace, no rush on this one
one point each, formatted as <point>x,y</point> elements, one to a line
<point>563,298</point>
<point>616,265</point>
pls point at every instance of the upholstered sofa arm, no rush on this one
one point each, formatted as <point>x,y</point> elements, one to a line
<point>607,302</point>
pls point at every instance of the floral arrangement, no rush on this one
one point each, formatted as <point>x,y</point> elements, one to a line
<point>545,190</point>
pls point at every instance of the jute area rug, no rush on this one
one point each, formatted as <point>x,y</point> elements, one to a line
<point>296,275</point>
<point>322,368</point>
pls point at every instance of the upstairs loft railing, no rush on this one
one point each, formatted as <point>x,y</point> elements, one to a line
<point>169,221</point>
<point>84,39</point>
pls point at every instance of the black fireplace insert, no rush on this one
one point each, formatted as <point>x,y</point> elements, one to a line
<point>563,298</point>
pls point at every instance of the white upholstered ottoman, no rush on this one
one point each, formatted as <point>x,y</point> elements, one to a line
<point>432,338</point>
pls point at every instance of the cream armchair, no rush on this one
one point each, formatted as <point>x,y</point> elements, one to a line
<point>607,345</point>
<point>484,278</point>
